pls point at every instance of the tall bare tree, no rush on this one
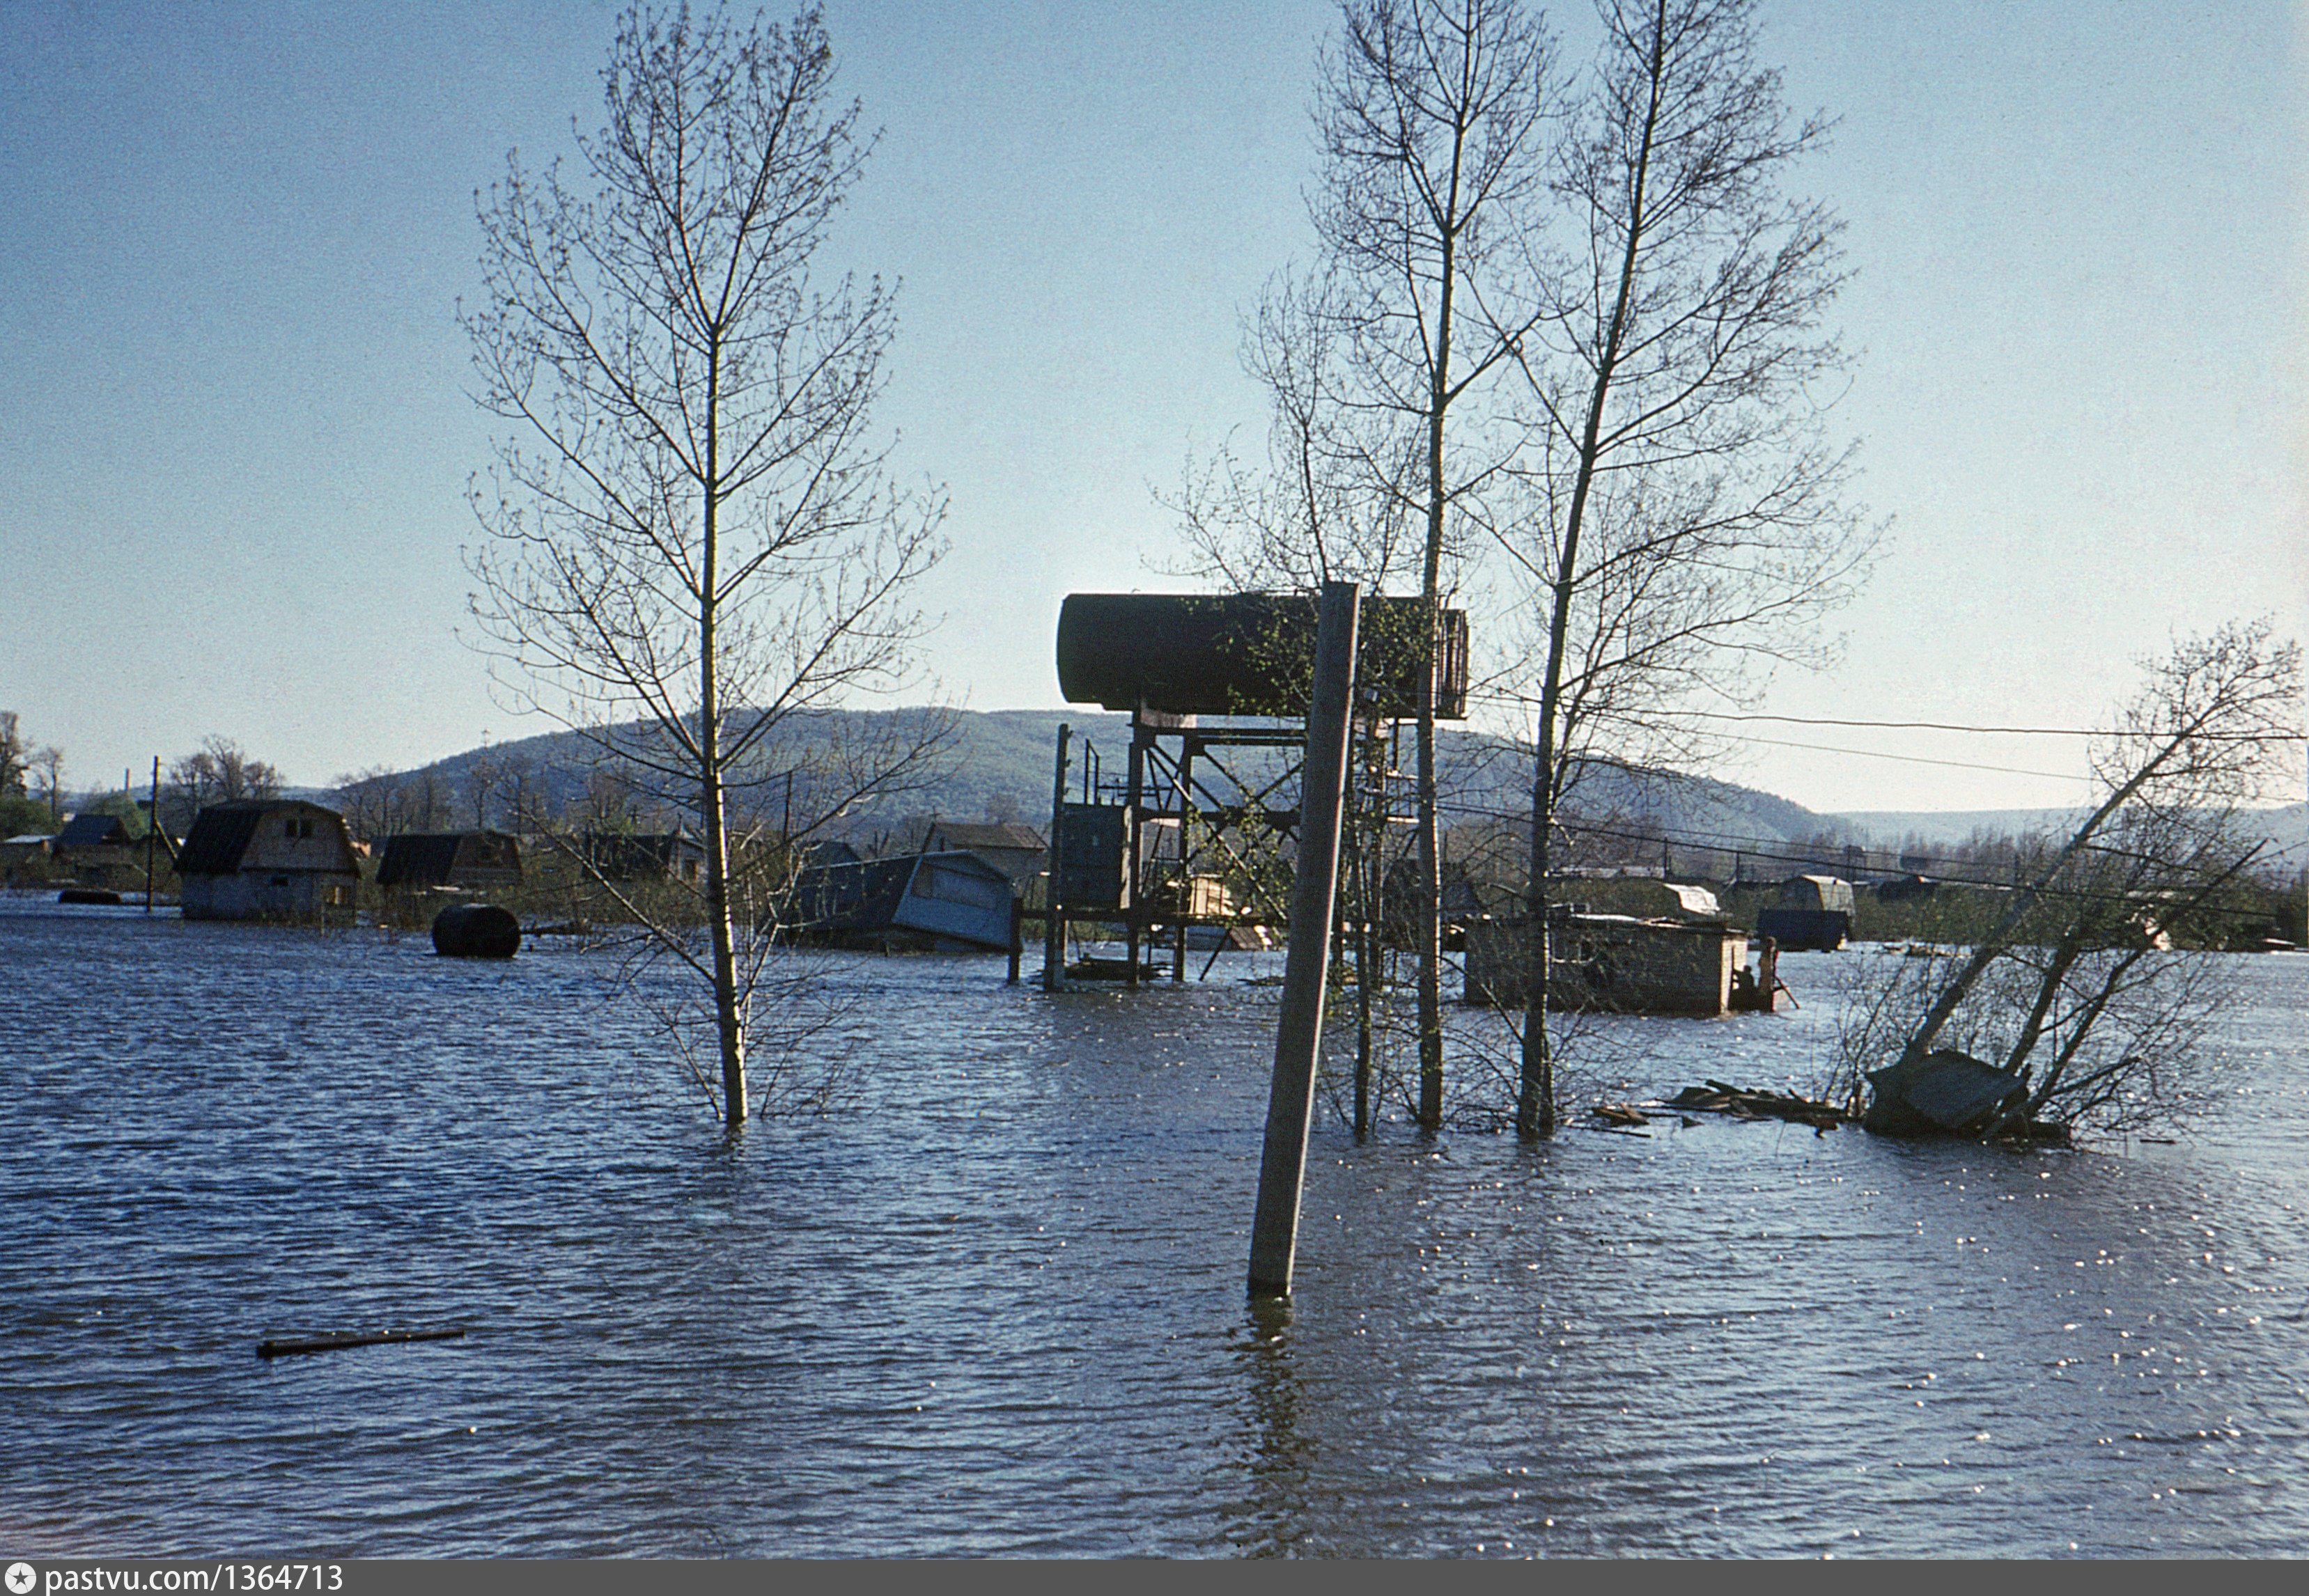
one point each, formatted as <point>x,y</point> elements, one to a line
<point>695,535</point>
<point>1432,118</point>
<point>1683,524</point>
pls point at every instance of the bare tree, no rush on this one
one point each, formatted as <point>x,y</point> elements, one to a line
<point>1682,524</point>
<point>48,764</point>
<point>694,536</point>
<point>219,771</point>
<point>2094,985</point>
<point>1431,115</point>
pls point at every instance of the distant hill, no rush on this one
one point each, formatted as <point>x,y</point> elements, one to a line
<point>997,765</point>
<point>2287,828</point>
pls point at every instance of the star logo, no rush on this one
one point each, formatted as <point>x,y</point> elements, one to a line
<point>19,1578</point>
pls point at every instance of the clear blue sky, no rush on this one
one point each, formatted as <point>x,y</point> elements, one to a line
<point>234,433</point>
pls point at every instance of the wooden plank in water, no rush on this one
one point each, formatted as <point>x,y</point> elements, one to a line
<point>292,1347</point>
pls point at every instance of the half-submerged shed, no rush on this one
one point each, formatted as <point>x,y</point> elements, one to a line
<point>1019,851</point>
<point>479,859</point>
<point>1809,911</point>
<point>1609,963</point>
<point>938,902</point>
<point>268,859</point>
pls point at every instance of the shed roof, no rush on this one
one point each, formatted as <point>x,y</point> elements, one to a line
<point>431,859</point>
<point>971,834</point>
<point>94,831</point>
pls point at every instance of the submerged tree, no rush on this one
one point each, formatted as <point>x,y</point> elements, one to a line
<point>1681,518</point>
<point>693,534</point>
<point>2093,986</point>
<point>1433,117</point>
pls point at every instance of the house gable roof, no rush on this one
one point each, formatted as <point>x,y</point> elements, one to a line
<point>94,831</point>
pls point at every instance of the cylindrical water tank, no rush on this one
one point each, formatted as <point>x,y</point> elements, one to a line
<point>1245,653</point>
<point>476,931</point>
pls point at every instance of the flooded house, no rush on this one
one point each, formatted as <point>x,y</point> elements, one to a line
<point>94,847</point>
<point>1611,964</point>
<point>473,860</point>
<point>1808,912</point>
<point>268,859</point>
<point>22,856</point>
<point>952,902</point>
<point>1019,851</point>
<point>642,855</point>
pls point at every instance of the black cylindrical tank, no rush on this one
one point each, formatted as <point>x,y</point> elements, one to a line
<point>1244,653</point>
<point>476,931</point>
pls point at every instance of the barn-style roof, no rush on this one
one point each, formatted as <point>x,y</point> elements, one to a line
<point>418,859</point>
<point>222,833</point>
<point>94,831</point>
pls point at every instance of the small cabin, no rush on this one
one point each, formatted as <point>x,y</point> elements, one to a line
<point>268,859</point>
<point>94,846</point>
<point>1609,963</point>
<point>1808,912</point>
<point>1018,852</point>
<point>940,902</point>
<point>476,860</point>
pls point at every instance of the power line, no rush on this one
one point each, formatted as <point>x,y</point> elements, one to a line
<point>2274,736</point>
<point>1959,765</point>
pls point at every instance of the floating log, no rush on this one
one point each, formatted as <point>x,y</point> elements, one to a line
<point>476,931</point>
<point>292,1347</point>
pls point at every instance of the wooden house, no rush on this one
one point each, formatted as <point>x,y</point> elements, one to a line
<point>1809,911</point>
<point>268,859</point>
<point>92,847</point>
<point>1609,963</point>
<point>416,860</point>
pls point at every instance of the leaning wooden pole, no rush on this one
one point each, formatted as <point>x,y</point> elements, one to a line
<point>1314,892</point>
<point>1054,922</point>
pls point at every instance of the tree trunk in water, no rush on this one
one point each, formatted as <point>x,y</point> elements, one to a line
<point>729,1020</point>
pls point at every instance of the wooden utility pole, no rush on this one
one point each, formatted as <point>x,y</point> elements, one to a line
<point>1054,924</point>
<point>152,832</point>
<point>1314,895</point>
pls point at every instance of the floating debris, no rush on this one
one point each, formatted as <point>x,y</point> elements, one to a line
<point>1740,1102</point>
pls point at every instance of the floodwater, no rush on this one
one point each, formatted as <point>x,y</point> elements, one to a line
<point>997,1306</point>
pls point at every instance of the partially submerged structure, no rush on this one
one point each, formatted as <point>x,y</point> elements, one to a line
<point>952,902</point>
<point>268,859</point>
<point>1809,911</point>
<point>477,859</point>
<point>1611,964</point>
<point>1196,829</point>
<point>642,855</point>
<point>1019,851</point>
<point>92,847</point>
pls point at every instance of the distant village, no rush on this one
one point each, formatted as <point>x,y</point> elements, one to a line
<point>391,849</point>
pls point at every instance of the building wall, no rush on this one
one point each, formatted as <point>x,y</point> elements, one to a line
<point>273,849</point>
<point>269,895</point>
